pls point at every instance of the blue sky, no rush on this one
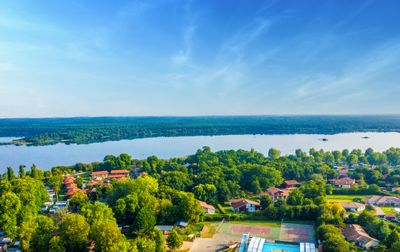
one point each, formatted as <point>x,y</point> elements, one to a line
<point>92,58</point>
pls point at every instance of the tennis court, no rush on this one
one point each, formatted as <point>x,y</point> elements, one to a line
<point>294,232</point>
<point>260,230</point>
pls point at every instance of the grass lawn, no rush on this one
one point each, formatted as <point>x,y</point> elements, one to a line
<point>388,210</point>
<point>343,198</point>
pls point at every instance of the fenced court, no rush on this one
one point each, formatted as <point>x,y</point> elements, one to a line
<point>260,230</point>
<point>294,232</point>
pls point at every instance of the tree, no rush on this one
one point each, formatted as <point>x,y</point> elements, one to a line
<point>265,201</point>
<point>96,212</point>
<point>78,199</point>
<point>43,233</point>
<point>10,206</point>
<point>107,235</point>
<point>296,197</point>
<point>393,238</point>
<point>274,153</point>
<point>56,182</point>
<point>144,221</point>
<point>21,172</point>
<point>79,182</point>
<point>174,240</point>
<point>159,239</point>
<point>10,173</point>
<point>75,232</point>
<point>56,244</point>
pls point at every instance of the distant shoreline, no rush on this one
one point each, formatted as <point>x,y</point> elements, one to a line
<point>86,130</point>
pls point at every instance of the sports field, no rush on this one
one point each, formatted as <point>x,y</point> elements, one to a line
<point>268,230</point>
<point>293,232</point>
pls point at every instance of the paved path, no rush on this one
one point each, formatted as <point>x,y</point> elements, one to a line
<point>218,243</point>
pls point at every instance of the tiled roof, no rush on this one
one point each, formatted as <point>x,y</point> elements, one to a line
<point>119,171</point>
<point>99,173</point>
<point>205,205</point>
<point>354,232</point>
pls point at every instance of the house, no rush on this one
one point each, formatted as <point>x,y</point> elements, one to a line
<point>276,193</point>
<point>379,212</point>
<point>117,174</point>
<point>379,200</point>
<point>395,189</point>
<point>353,206</point>
<point>344,182</point>
<point>99,175</point>
<point>343,173</point>
<point>165,229</point>
<point>357,234</point>
<point>391,217</point>
<point>244,205</point>
<point>181,224</point>
<point>290,183</point>
<point>209,209</point>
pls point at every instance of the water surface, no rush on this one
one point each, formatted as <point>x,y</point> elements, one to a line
<point>46,157</point>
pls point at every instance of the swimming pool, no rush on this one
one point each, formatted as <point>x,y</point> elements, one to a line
<point>268,247</point>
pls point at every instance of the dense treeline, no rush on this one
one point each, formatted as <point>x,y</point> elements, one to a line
<point>90,130</point>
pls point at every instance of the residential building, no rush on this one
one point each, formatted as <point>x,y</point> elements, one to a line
<point>117,174</point>
<point>244,205</point>
<point>290,183</point>
<point>353,206</point>
<point>209,209</point>
<point>276,193</point>
<point>380,200</point>
<point>357,234</point>
<point>344,182</point>
<point>99,175</point>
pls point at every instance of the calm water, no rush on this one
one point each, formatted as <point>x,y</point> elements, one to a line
<point>46,157</point>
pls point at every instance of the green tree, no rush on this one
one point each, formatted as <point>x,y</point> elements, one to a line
<point>44,231</point>
<point>56,244</point>
<point>265,201</point>
<point>10,173</point>
<point>174,240</point>
<point>96,212</point>
<point>56,182</point>
<point>107,236</point>
<point>296,197</point>
<point>159,239</point>
<point>274,153</point>
<point>144,221</point>
<point>78,200</point>
<point>75,232</point>
<point>21,172</point>
<point>392,238</point>
<point>79,182</point>
<point>10,207</point>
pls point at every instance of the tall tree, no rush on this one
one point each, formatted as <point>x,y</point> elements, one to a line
<point>75,232</point>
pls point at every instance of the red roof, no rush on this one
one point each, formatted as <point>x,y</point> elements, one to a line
<point>235,203</point>
<point>96,173</point>
<point>68,180</point>
<point>291,182</point>
<point>205,205</point>
<point>119,171</point>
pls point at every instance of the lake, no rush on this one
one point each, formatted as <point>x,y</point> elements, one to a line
<point>46,157</point>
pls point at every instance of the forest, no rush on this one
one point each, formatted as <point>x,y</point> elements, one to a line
<point>84,130</point>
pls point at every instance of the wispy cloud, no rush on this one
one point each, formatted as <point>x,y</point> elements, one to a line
<point>183,55</point>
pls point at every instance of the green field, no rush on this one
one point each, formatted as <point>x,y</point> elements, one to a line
<point>343,198</point>
<point>388,210</point>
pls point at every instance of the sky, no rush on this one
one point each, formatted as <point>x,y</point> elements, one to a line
<point>200,57</point>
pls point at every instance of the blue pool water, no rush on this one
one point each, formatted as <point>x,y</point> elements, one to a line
<point>280,247</point>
